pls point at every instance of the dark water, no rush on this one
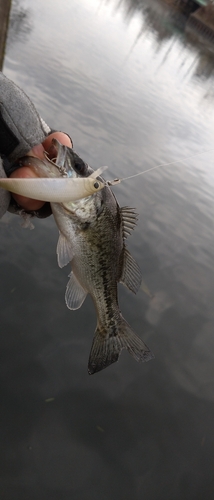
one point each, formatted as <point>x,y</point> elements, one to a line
<point>133,92</point>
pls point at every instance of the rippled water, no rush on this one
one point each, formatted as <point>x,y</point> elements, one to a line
<point>133,91</point>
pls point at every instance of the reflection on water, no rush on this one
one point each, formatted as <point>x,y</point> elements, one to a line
<point>168,22</point>
<point>20,23</point>
<point>133,92</point>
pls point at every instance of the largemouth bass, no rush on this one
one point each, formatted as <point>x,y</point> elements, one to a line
<point>92,237</point>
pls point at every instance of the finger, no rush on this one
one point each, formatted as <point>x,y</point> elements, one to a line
<point>38,152</point>
<point>26,203</point>
<point>61,137</point>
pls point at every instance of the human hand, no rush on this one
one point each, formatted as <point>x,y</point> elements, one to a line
<point>22,132</point>
<point>26,172</point>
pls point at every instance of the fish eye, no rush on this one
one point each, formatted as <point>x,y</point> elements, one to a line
<point>79,165</point>
<point>96,185</point>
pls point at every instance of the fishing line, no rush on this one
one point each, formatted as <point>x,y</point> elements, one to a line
<point>117,181</point>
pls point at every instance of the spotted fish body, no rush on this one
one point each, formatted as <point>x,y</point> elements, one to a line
<point>92,238</point>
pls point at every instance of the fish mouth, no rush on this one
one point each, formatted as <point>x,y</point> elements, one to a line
<point>71,162</point>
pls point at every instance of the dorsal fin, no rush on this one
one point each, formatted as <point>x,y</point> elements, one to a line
<point>129,220</point>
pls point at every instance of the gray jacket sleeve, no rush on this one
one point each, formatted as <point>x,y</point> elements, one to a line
<point>21,128</point>
<point>4,195</point>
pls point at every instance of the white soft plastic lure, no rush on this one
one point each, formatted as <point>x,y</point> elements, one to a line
<point>55,189</point>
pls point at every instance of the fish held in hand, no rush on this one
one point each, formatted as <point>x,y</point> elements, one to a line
<point>92,237</point>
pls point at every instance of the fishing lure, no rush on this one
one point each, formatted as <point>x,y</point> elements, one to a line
<point>55,189</point>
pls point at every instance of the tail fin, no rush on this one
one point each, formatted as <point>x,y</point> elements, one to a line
<point>107,346</point>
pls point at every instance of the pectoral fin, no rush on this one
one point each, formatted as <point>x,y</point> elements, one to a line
<point>64,251</point>
<point>131,274</point>
<point>75,294</point>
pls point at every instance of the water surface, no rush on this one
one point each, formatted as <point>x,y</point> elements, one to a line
<point>133,91</point>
